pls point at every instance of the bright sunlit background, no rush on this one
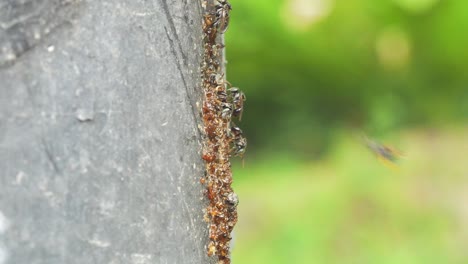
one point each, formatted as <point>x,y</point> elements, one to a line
<point>318,73</point>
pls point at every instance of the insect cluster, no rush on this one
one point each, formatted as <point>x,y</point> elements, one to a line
<point>223,139</point>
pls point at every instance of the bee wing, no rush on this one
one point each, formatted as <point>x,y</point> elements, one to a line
<point>226,81</point>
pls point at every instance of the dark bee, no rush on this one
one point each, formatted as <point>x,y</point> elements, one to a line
<point>235,132</point>
<point>226,111</point>
<point>222,15</point>
<point>217,79</point>
<point>232,200</point>
<point>238,98</point>
<point>238,140</point>
<point>240,145</point>
<point>221,94</point>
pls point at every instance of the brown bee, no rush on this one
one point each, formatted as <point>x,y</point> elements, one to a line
<point>210,192</point>
<point>209,21</point>
<point>212,169</point>
<point>211,248</point>
<point>213,212</point>
<point>216,49</point>
<point>210,27</point>
<point>208,157</point>
<point>211,131</point>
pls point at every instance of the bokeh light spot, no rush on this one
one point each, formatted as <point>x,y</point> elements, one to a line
<point>416,6</point>
<point>393,48</point>
<point>301,14</point>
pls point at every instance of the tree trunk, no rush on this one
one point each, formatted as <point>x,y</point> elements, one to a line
<point>99,140</point>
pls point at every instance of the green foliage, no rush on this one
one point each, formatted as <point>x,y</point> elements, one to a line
<point>374,65</point>
<point>312,80</point>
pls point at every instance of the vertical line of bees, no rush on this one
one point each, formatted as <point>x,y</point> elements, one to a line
<point>223,139</point>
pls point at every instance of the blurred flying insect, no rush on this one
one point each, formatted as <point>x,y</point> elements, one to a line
<point>389,156</point>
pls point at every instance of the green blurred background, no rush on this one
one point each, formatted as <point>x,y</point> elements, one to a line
<point>316,74</point>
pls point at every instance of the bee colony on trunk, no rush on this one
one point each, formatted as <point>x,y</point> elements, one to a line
<point>222,138</point>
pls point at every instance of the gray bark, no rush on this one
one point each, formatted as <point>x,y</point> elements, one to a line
<point>99,140</point>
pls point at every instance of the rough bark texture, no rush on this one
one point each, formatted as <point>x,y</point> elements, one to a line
<point>99,140</point>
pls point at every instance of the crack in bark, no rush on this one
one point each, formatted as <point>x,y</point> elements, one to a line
<point>174,53</point>
<point>173,29</point>
<point>50,157</point>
